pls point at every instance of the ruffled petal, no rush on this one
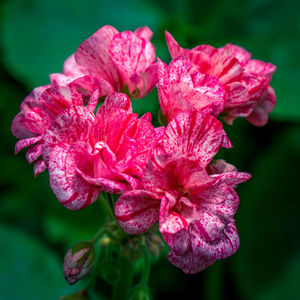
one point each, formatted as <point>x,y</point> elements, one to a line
<point>222,247</point>
<point>174,49</point>
<point>93,54</point>
<point>69,187</point>
<point>260,114</point>
<point>137,211</point>
<point>144,32</point>
<point>195,135</point>
<point>70,126</point>
<point>260,68</point>
<point>26,143</point>
<point>190,263</point>
<point>226,66</point>
<point>39,167</point>
<point>131,55</point>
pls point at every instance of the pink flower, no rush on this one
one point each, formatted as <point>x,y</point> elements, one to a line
<point>121,61</point>
<point>38,112</point>
<point>246,81</point>
<point>181,87</point>
<point>121,145</point>
<point>194,203</point>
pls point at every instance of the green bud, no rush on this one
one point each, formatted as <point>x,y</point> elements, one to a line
<point>78,261</point>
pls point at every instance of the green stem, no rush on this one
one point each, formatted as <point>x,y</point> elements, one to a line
<point>147,266</point>
<point>106,206</point>
<point>123,286</point>
<point>95,270</point>
<point>111,202</point>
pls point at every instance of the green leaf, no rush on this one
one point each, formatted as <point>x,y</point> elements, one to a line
<point>39,35</point>
<point>28,269</point>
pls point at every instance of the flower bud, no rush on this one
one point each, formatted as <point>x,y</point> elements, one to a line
<point>78,261</point>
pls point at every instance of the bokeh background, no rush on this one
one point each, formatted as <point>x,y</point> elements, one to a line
<point>35,230</point>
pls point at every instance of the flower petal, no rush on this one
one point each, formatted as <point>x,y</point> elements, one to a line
<point>93,54</point>
<point>195,135</point>
<point>137,211</point>
<point>69,187</point>
<point>70,126</point>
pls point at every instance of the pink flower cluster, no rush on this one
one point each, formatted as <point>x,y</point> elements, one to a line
<point>81,128</point>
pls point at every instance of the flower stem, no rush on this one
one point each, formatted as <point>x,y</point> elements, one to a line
<point>104,200</point>
<point>123,286</point>
<point>147,266</point>
<point>96,268</point>
<point>111,202</point>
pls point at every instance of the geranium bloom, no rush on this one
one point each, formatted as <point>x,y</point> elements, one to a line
<point>181,87</point>
<point>37,112</point>
<point>194,203</point>
<point>87,154</point>
<point>245,80</point>
<point>121,145</point>
<point>121,61</point>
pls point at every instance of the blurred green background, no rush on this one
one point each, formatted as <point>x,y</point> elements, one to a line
<point>35,230</point>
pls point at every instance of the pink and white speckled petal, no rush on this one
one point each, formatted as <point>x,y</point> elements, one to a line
<point>174,49</point>
<point>211,97</point>
<point>209,226</point>
<point>241,54</point>
<point>226,208</point>
<point>131,55</point>
<point>113,185</point>
<point>232,178</point>
<point>71,71</point>
<point>31,121</point>
<point>145,81</point>
<point>226,66</point>
<point>255,86</point>
<point>72,68</point>
<point>57,99</point>
<point>70,126</point>
<point>237,94</point>
<point>118,101</point>
<point>93,54</point>
<point>144,32</point>
<point>194,134</point>
<point>226,143</point>
<point>260,68</point>
<point>39,167</point>
<point>70,188</point>
<point>86,85</point>
<point>93,101</point>
<point>137,211</point>
<point>190,263</point>
<point>222,247</point>
<point>259,116</point>
<point>170,222</point>
<point>33,153</point>
<point>220,166</point>
<point>26,143</point>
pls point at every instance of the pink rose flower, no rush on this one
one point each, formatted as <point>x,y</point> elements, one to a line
<point>194,202</point>
<point>246,81</point>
